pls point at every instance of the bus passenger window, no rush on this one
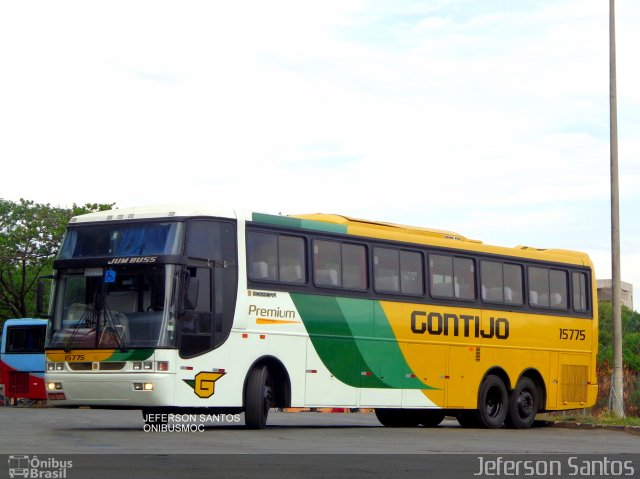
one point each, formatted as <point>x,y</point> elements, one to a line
<point>354,266</point>
<point>291,259</point>
<point>464,277</point>
<point>339,265</point>
<point>397,271</point>
<point>386,265</point>
<point>273,257</point>
<point>492,281</point>
<point>548,288</point>
<point>513,291</point>
<point>326,263</point>
<point>441,277</point>
<point>411,273</point>
<point>452,277</point>
<point>501,282</point>
<point>262,251</point>
<point>558,289</point>
<point>539,287</point>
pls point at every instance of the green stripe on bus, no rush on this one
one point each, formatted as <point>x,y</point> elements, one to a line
<point>332,338</point>
<point>131,355</point>
<point>298,223</point>
<point>359,351</point>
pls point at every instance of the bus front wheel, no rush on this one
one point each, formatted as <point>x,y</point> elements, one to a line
<point>493,401</point>
<point>258,398</point>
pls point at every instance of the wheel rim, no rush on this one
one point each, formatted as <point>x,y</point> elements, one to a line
<point>525,404</point>
<point>493,404</point>
<point>268,397</point>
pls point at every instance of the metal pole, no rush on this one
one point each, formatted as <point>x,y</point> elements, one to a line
<point>616,299</point>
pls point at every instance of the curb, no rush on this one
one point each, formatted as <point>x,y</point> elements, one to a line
<point>632,430</point>
<point>582,425</point>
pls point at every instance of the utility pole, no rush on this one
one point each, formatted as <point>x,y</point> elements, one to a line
<point>616,400</point>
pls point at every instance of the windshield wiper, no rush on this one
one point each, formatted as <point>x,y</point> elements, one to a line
<point>116,326</point>
<point>87,320</point>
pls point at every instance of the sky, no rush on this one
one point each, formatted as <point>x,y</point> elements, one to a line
<point>490,119</point>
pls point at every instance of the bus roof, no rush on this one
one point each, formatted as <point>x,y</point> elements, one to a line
<point>24,322</point>
<point>445,239</point>
<point>345,224</point>
<point>160,211</point>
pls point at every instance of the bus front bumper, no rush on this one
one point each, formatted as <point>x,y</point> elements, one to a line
<point>110,390</point>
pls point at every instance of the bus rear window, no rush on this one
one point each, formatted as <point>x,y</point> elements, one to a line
<point>25,339</point>
<point>580,301</point>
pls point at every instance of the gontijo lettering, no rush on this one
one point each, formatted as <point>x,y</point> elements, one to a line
<point>450,324</point>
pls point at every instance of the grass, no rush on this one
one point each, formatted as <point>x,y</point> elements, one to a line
<point>588,418</point>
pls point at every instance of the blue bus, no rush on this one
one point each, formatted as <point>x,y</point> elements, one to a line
<point>22,359</point>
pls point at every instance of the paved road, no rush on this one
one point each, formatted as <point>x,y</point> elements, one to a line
<point>115,444</point>
<point>85,431</point>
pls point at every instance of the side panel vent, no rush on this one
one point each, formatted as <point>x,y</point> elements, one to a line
<point>573,386</point>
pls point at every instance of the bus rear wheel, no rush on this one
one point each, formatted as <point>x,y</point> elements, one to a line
<point>523,405</point>
<point>397,417</point>
<point>258,398</point>
<point>469,419</point>
<point>493,401</point>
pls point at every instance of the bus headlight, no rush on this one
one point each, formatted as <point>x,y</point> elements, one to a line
<point>143,366</point>
<point>143,386</point>
<point>54,386</point>
<point>55,366</point>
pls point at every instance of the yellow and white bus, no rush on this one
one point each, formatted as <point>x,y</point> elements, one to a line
<point>204,309</point>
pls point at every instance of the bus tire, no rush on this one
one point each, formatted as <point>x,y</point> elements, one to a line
<point>431,417</point>
<point>493,402</point>
<point>523,405</point>
<point>257,399</point>
<point>397,417</point>
<point>469,419</point>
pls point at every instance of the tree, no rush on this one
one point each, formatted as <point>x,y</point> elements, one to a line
<point>630,336</point>
<point>30,235</point>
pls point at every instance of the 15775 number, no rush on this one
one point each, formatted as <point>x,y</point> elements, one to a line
<point>74,357</point>
<point>572,334</point>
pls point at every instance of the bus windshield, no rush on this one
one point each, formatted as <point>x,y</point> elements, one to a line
<point>126,239</point>
<point>120,307</point>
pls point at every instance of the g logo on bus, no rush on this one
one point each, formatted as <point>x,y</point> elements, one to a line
<point>204,384</point>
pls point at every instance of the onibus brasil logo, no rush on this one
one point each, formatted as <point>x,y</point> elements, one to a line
<point>34,467</point>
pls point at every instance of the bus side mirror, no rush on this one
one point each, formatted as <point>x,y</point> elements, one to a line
<point>40,296</point>
<point>191,294</point>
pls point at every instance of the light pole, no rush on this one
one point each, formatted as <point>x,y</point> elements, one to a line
<point>616,395</point>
